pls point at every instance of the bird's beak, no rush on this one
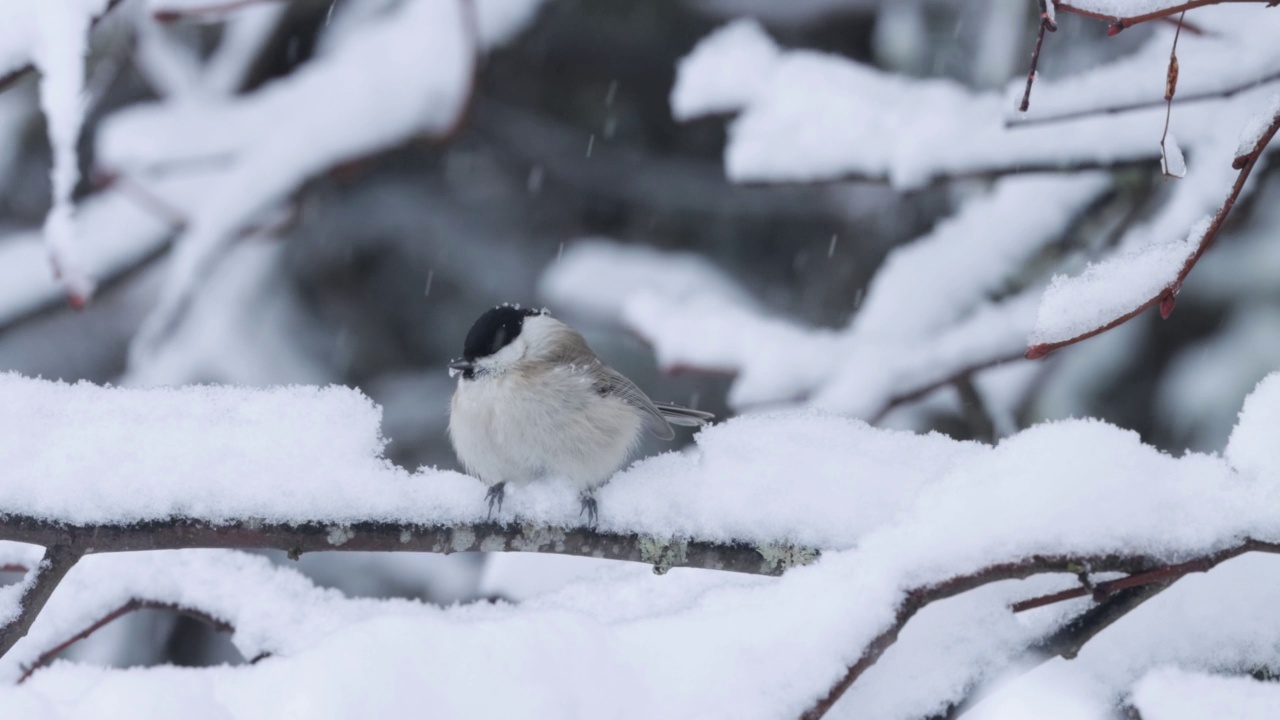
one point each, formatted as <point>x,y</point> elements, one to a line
<point>460,366</point>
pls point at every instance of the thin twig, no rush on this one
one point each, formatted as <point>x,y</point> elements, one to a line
<point>132,606</point>
<point>40,583</point>
<point>1046,24</point>
<point>1221,94</point>
<point>923,390</point>
<point>1072,637</point>
<point>1245,164</point>
<point>1104,590</point>
<point>1170,87</point>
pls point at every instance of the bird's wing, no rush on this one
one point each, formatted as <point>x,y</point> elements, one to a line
<point>612,382</point>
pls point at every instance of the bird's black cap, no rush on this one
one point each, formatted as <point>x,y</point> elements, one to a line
<point>495,329</point>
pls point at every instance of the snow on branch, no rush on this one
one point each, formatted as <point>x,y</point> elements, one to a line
<point>807,116</point>
<point>927,319</point>
<point>1116,290</point>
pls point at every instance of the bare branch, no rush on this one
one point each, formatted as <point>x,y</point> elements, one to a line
<point>1103,590</point>
<point>132,606</point>
<point>1046,24</point>
<point>1221,94</point>
<point>39,585</point>
<point>1170,87</point>
<point>1165,298</point>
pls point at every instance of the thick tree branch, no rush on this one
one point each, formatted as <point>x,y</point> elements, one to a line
<point>39,585</point>
<point>68,543</point>
<point>662,553</point>
<point>1165,298</point>
<point>1074,635</point>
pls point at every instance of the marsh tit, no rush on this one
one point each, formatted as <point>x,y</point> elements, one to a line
<point>533,402</point>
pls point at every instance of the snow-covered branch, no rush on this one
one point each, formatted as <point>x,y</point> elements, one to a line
<point>1071,305</point>
<point>1075,634</point>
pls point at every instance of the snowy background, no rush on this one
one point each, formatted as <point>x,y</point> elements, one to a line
<point>823,220</point>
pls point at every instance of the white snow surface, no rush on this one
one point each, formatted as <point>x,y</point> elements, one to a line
<point>913,510</point>
<point>1173,694</point>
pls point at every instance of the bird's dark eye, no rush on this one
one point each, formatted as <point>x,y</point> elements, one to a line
<point>495,329</point>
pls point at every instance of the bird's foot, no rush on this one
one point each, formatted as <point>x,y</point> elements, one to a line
<point>494,497</point>
<point>589,508</point>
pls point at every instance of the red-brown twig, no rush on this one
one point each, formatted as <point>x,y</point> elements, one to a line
<point>1046,25</point>
<point>132,606</point>
<point>1103,590</point>
<point>1245,164</point>
<point>1121,23</point>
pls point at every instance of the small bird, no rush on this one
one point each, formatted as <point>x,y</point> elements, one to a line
<point>533,402</point>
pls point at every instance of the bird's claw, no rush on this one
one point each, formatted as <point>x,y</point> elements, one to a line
<point>590,509</point>
<point>494,497</point>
